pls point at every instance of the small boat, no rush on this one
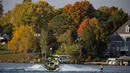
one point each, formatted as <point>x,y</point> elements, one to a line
<point>52,67</point>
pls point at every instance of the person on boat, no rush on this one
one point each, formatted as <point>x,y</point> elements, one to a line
<point>56,62</point>
<point>47,61</point>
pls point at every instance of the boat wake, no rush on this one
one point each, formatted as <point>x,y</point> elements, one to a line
<point>64,67</point>
<point>36,67</point>
<point>80,68</point>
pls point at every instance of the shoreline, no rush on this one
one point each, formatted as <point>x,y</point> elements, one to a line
<point>91,63</point>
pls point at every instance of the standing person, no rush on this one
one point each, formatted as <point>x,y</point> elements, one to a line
<point>56,62</point>
<point>101,67</point>
<point>47,61</point>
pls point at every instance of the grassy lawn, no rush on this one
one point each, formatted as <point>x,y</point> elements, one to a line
<point>6,54</point>
<point>15,57</point>
<point>3,47</point>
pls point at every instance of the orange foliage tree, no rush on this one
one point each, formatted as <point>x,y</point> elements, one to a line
<point>89,31</point>
<point>94,23</point>
<point>82,25</point>
<point>23,39</point>
<point>79,11</point>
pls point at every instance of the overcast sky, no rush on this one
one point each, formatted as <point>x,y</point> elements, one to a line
<point>124,4</point>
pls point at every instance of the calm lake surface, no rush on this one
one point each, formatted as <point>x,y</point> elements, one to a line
<point>65,68</point>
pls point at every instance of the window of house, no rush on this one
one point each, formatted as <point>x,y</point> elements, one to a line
<point>127,29</point>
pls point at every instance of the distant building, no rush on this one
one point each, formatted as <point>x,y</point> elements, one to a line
<point>37,35</point>
<point>119,42</point>
<point>63,58</point>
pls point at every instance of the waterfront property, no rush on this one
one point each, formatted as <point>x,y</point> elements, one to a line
<point>112,61</point>
<point>123,60</point>
<point>119,42</point>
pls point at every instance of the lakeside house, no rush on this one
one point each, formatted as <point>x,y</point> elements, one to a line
<point>119,42</point>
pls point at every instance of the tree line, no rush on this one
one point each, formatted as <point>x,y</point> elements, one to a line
<point>78,30</point>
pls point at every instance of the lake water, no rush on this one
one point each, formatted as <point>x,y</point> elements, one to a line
<point>65,68</point>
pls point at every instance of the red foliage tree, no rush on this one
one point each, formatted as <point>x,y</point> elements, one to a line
<point>82,25</point>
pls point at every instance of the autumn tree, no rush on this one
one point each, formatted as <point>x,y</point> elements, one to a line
<point>37,15</point>
<point>95,32</point>
<point>80,11</point>
<point>23,14</point>
<point>73,24</point>
<point>23,40</point>
<point>90,32</point>
<point>82,26</point>
<point>93,23</point>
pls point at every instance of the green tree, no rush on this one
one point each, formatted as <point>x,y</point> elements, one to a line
<point>52,41</point>
<point>47,41</point>
<point>66,38</point>
<point>27,1</point>
<point>59,11</point>
<point>44,13</point>
<point>6,25</point>
<point>111,18</point>
<point>44,42</point>
<point>60,24</point>
<point>1,9</point>
<point>5,19</point>
<point>75,50</point>
<point>102,13</point>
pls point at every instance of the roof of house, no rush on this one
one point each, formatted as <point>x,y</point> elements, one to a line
<point>121,30</point>
<point>116,37</point>
<point>124,58</point>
